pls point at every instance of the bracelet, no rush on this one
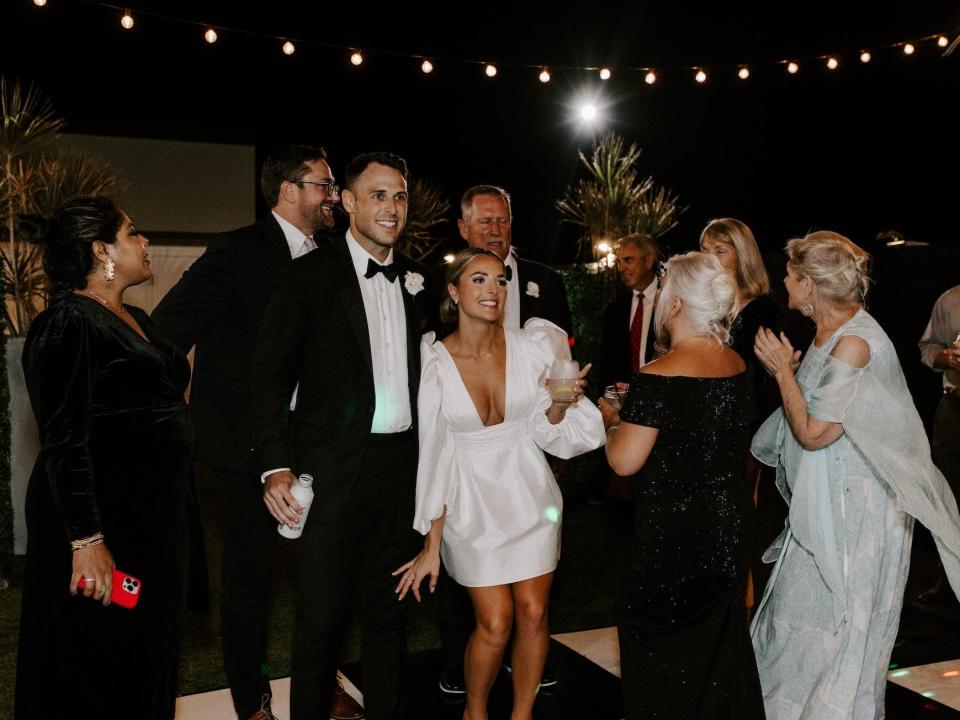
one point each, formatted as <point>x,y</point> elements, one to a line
<point>84,543</point>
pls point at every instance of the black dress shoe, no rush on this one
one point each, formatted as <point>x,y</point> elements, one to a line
<point>452,682</point>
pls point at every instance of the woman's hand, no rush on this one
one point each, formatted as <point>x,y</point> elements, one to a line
<point>427,562</point>
<point>611,415</point>
<point>558,408</point>
<point>95,565</point>
<point>776,354</point>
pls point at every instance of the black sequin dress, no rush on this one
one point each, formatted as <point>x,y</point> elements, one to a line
<point>685,651</point>
<point>116,448</point>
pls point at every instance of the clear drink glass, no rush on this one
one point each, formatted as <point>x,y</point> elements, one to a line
<point>562,380</point>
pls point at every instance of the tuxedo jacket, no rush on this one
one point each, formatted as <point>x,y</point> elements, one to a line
<point>315,333</point>
<point>613,363</point>
<point>216,308</point>
<point>546,298</point>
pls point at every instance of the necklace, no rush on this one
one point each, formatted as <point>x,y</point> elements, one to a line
<point>118,311</point>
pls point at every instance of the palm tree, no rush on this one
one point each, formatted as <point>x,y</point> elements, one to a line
<point>34,179</point>
<point>613,201</point>
<point>425,213</point>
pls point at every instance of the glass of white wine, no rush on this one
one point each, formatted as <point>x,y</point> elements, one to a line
<point>562,380</point>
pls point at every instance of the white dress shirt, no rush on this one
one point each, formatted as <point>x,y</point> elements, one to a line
<point>387,324</point>
<point>298,243</point>
<point>649,297</point>
<point>511,313</point>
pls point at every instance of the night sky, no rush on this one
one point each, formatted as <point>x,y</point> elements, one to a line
<point>860,150</point>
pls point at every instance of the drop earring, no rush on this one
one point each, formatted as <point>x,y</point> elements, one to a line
<point>109,269</point>
<point>806,310</point>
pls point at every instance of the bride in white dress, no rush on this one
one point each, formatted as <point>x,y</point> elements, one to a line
<point>483,484</point>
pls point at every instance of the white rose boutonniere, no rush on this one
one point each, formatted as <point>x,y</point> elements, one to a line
<point>413,282</point>
<point>533,290</point>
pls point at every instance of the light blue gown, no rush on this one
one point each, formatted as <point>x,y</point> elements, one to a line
<point>825,627</point>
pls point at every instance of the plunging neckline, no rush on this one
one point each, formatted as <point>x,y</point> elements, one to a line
<point>143,338</point>
<point>506,380</point>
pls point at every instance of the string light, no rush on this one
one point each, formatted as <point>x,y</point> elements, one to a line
<point>908,49</point>
<point>356,57</point>
<point>832,63</point>
<point>210,36</point>
<point>792,68</point>
<point>449,258</point>
<point>426,66</point>
<point>127,20</point>
<point>544,76</point>
<point>942,41</point>
<point>39,3</point>
<point>744,73</point>
<point>588,112</point>
<point>604,247</point>
<point>650,78</point>
<point>701,76</point>
<point>288,48</point>
<point>865,57</point>
<point>604,73</point>
<point>490,70</point>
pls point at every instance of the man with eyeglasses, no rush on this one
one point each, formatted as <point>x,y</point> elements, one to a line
<point>216,308</point>
<point>533,290</point>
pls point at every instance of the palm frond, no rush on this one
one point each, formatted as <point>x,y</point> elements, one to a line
<point>426,210</point>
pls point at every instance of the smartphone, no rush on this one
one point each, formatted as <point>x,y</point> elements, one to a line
<point>126,589</point>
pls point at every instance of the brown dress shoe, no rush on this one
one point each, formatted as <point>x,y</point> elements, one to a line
<point>344,707</point>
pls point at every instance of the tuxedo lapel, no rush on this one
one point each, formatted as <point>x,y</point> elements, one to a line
<point>276,249</point>
<point>412,314</point>
<point>348,289</point>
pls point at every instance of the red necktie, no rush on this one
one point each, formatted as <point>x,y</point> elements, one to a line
<point>636,335</point>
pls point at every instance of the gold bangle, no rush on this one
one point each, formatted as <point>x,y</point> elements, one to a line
<point>83,543</point>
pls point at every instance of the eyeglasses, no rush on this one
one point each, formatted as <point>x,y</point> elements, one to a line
<point>329,186</point>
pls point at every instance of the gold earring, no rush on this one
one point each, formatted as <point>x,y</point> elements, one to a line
<point>109,269</point>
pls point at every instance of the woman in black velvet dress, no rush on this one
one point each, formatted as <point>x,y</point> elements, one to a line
<point>685,652</point>
<point>110,488</point>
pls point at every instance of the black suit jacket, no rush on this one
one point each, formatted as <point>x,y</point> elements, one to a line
<point>613,362</point>
<point>315,333</point>
<point>548,300</point>
<point>216,307</point>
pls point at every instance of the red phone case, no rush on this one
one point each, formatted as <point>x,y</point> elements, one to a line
<point>126,589</point>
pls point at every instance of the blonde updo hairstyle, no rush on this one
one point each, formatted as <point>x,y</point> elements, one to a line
<point>708,293</point>
<point>449,314</point>
<point>839,269</point>
<point>752,277</point>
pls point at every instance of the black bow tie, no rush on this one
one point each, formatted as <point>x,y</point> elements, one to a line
<point>390,272</point>
<point>509,271</point>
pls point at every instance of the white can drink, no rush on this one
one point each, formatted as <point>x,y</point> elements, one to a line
<point>303,492</point>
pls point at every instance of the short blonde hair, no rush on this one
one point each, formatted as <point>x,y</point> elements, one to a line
<point>708,292</point>
<point>839,269</point>
<point>449,313</point>
<point>752,278</point>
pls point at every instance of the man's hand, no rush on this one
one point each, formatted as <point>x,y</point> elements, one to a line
<point>948,358</point>
<point>279,500</point>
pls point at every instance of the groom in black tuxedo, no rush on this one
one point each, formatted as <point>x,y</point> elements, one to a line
<point>343,327</point>
<point>216,308</point>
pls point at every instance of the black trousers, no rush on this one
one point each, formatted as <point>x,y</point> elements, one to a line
<point>356,551</point>
<point>945,445</point>
<point>249,540</point>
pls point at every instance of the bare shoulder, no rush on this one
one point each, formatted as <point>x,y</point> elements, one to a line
<point>852,350</point>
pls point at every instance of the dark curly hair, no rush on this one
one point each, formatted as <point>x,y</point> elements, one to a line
<point>69,237</point>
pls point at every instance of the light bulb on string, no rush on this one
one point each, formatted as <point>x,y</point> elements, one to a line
<point>127,20</point>
<point>650,78</point>
<point>792,68</point>
<point>743,73</point>
<point>356,57</point>
<point>701,76</point>
<point>604,73</point>
<point>909,49</point>
<point>210,36</point>
<point>288,48</point>
<point>544,76</point>
<point>39,3</point>
<point>490,70</point>
<point>832,63</point>
<point>865,57</point>
<point>942,41</point>
<point>426,66</point>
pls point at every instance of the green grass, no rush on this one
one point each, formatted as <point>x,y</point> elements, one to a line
<point>596,541</point>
